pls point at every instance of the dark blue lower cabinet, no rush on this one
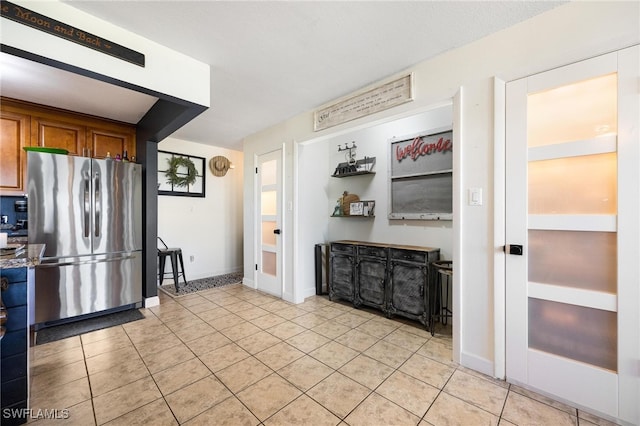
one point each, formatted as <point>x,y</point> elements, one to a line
<point>14,401</point>
<point>14,349</point>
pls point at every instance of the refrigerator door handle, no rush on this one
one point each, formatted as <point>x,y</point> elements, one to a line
<point>87,207</point>
<point>96,203</point>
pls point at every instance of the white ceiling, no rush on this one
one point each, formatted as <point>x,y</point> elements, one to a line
<point>271,60</point>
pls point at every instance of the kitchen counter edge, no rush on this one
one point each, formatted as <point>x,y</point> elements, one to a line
<point>29,258</point>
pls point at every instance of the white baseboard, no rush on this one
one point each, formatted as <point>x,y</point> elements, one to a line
<point>249,283</point>
<point>477,363</point>
<point>308,292</point>
<point>150,302</point>
<point>288,297</point>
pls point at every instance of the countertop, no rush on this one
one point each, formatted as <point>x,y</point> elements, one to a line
<point>399,246</point>
<point>28,258</point>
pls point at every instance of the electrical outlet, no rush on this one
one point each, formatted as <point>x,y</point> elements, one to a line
<point>192,258</point>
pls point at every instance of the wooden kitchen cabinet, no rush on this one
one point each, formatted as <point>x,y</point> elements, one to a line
<point>80,134</point>
<point>396,279</point>
<point>111,140</point>
<point>86,137</point>
<point>14,135</point>
<point>55,132</point>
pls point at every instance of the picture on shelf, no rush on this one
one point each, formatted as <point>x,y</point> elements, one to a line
<point>356,209</point>
<point>368,208</point>
<point>362,208</point>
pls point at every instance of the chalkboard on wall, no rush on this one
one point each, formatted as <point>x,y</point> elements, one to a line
<point>421,176</point>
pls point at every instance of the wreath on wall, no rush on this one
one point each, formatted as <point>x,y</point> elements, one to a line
<point>180,180</point>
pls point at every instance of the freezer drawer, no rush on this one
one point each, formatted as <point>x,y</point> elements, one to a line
<point>69,287</point>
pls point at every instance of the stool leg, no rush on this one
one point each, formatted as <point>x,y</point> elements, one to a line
<point>184,276</point>
<point>174,268</point>
<point>162,262</point>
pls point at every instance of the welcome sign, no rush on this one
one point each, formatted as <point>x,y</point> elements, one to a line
<point>421,177</point>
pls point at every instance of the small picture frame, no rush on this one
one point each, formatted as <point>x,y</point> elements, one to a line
<point>356,209</point>
<point>368,208</point>
<point>362,208</point>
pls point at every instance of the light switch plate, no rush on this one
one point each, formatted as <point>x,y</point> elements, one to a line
<point>475,196</point>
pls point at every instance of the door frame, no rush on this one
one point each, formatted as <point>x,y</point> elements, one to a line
<point>280,262</point>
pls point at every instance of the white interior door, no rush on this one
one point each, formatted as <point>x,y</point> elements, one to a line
<point>269,226</point>
<point>572,221</point>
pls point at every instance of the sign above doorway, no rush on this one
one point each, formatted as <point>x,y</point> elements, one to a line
<point>377,99</point>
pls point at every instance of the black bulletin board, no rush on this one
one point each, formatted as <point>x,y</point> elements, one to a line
<point>421,176</point>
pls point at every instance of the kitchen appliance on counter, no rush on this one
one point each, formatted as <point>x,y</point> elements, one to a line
<point>88,212</point>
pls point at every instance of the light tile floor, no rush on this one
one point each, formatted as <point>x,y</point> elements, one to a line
<point>234,356</point>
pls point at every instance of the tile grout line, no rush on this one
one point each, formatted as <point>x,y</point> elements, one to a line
<point>150,375</point>
<point>86,368</point>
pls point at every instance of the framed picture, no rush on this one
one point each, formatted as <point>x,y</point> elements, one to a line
<point>362,208</point>
<point>421,176</point>
<point>181,174</point>
<point>356,209</point>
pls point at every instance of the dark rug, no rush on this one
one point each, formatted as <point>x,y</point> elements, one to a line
<point>62,331</point>
<point>202,284</point>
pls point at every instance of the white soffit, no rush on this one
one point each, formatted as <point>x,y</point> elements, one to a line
<point>38,83</point>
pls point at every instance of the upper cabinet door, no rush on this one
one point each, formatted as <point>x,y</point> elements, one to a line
<point>56,133</point>
<point>110,141</point>
<point>14,135</point>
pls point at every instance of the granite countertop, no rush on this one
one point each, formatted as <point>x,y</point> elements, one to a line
<point>29,257</point>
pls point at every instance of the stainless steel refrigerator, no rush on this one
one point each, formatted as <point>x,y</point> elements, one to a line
<point>88,212</point>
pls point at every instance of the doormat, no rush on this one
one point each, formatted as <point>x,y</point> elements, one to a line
<point>202,284</point>
<point>62,331</point>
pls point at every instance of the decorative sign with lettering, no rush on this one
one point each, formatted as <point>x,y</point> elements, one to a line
<point>421,177</point>
<point>383,97</point>
<point>40,22</point>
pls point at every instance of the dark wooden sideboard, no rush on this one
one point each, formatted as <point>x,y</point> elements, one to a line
<point>396,279</point>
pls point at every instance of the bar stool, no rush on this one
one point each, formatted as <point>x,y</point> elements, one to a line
<point>174,255</point>
<point>440,309</point>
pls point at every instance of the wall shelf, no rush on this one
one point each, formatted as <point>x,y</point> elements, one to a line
<point>361,167</point>
<point>341,175</point>
<point>356,216</point>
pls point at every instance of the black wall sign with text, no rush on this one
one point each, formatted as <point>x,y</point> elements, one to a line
<point>51,26</point>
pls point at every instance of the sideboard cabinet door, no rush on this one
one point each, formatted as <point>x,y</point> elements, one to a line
<point>409,283</point>
<point>408,290</point>
<point>371,277</point>
<point>342,266</point>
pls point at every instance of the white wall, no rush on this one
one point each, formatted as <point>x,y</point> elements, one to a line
<point>209,228</point>
<point>165,71</point>
<point>569,33</point>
